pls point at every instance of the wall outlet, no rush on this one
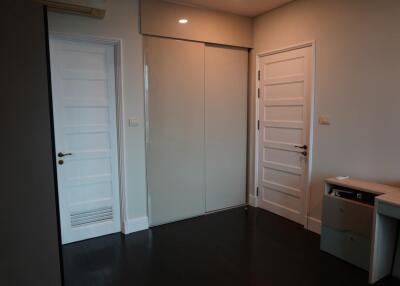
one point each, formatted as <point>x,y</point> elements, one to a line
<point>323,120</point>
<point>133,122</point>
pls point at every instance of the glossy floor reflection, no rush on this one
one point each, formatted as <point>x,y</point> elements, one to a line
<point>235,247</point>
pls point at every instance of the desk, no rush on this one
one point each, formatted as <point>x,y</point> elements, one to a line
<point>384,236</point>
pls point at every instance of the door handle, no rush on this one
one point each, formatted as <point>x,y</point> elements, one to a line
<point>301,147</point>
<point>61,154</point>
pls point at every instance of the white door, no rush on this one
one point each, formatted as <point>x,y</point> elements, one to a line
<point>84,106</point>
<point>284,127</point>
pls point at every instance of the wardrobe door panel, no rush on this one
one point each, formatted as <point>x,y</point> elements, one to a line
<point>175,147</point>
<point>225,126</point>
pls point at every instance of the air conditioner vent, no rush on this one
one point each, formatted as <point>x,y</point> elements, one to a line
<point>91,217</point>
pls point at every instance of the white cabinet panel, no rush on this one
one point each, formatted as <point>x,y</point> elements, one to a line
<point>197,103</point>
<point>175,147</point>
<point>225,125</point>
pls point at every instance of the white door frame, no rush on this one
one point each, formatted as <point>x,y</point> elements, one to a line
<point>311,127</point>
<point>117,44</point>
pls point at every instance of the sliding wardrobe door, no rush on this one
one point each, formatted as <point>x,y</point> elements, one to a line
<point>175,146</point>
<point>225,126</point>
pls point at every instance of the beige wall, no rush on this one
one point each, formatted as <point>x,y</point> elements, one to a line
<point>161,19</point>
<point>357,84</point>
<point>357,66</point>
<point>121,22</point>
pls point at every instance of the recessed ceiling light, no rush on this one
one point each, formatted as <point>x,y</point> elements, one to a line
<point>183,21</point>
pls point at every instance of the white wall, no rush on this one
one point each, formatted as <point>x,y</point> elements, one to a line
<point>122,22</point>
<point>357,84</point>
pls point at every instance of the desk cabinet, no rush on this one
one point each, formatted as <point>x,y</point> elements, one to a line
<point>346,228</point>
<point>359,216</point>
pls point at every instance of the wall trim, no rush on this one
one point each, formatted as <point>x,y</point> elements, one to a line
<point>120,109</point>
<point>313,225</point>
<point>312,44</point>
<point>287,48</point>
<point>135,224</point>
<point>253,201</point>
<point>85,38</point>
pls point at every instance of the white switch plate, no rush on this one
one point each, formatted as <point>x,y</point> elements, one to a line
<point>133,122</point>
<point>323,120</point>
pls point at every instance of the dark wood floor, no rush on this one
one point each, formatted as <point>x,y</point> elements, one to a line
<point>235,247</point>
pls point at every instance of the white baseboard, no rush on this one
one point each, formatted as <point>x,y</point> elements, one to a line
<point>314,225</point>
<point>135,224</point>
<point>253,201</point>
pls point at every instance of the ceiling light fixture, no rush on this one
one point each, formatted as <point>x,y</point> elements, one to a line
<point>183,21</point>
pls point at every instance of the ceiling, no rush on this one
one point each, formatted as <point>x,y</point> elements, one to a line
<point>249,8</point>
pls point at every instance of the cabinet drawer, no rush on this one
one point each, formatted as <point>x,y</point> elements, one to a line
<point>346,215</point>
<point>349,246</point>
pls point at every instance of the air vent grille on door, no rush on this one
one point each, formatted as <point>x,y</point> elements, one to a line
<point>90,217</point>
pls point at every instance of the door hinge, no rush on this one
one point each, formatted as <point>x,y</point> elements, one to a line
<point>257,192</point>
<point>258,92</point>
<point>258,124</point>
<point>259,75</point>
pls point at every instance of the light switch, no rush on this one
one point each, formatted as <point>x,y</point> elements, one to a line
<point>323,120</point>
<point>133,122</point>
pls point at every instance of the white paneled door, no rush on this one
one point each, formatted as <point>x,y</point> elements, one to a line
<point>284,126</point>
<point>84,106</point>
